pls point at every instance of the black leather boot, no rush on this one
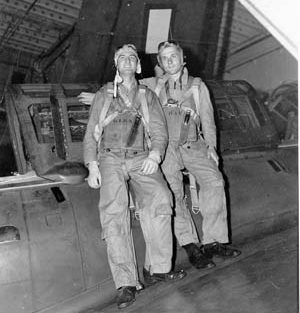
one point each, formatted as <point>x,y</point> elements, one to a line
<point>157,277</point>
<point>197,258</point>
<point>126,296</point>
<point>220,250</point>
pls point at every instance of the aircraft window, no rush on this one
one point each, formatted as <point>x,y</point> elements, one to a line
<point>232,115</point>
<point>245,111</point>
<point>236,113</point>
<point>78,118</point>
<point>42,120</point>
<point>259,113</point>
<point>227,117</point>
<point>7,158</point>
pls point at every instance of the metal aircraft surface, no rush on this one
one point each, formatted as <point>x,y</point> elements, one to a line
<point>51,254</point>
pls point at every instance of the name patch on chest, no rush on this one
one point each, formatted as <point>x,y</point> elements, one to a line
<point>122,121</point>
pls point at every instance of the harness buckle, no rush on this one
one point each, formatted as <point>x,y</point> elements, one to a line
<point>196,210</point>
<point>172,102</point>
<point>137,214</point>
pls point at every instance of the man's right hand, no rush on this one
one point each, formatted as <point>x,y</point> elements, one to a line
<point>94,179</point>
<point>150,165</point>
<point>86,98</point>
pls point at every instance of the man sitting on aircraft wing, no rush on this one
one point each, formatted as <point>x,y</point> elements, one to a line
<point>125,141</point>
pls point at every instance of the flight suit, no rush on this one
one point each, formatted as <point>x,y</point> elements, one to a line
<point>188,149</point>
<point>120,166</point>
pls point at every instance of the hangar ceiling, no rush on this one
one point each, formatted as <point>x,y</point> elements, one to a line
<point>35,27</point>
<point>244,30</point>
<point>239,30</point>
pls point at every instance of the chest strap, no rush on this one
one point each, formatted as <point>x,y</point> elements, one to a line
<point>145,113</point>
<point>105,120</point>
<point>194,91</point>
<point>160,84</point>
<point>196,85</point>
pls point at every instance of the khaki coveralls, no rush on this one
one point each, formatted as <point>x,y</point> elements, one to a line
<point>192,155</point>
<point>119,166</point>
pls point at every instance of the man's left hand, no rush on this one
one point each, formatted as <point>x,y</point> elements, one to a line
<point>212,154</point>
<point>149,166</point>
<point>86,98</point>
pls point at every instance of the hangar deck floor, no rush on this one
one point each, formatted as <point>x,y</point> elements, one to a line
<point>264,279</point>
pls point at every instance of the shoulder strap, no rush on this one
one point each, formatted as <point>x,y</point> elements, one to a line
<point>103,120</point>
<point>144,106</point>
<point>160,83</point>
<point>194,194</point>
<point>145,112</point>
<point>106,105</point>
<point>196,92</point>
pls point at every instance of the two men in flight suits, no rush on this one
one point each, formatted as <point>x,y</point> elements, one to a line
<point>192,145</point>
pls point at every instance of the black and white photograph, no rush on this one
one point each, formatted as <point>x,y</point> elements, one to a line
<point>149,156</point>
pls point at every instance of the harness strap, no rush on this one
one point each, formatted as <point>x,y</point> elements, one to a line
<point>193,188</point>
<point>185,96</point>
<point>109,119</point>
<point>145,114</point>
<point>144,106</point>
<point>196,92</point>
<point>160,84</point>
<point>105,120</point>
<point>194,194</point>
<point>108,99</point>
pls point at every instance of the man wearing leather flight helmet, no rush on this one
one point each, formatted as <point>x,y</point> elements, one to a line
<point>125,140</point>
